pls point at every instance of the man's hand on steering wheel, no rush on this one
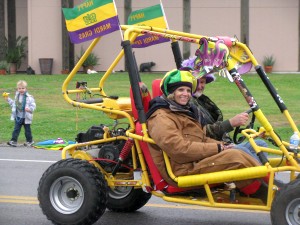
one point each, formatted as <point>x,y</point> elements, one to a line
<point>241,120</point>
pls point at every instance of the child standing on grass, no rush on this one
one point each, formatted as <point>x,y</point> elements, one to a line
<point>22,113</point>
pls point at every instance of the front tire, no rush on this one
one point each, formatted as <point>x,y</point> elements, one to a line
<point>285,208</point>
<point>127,199</point>
<point>72,191</point>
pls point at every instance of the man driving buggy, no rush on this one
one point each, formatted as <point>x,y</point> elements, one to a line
<point>216,127</point>
<point>173,124</point>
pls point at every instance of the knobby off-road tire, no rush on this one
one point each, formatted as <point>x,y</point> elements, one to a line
<point>72,191</point>
<point>286,204</point>
<point>127,199</point>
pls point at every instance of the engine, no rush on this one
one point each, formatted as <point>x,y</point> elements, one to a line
<point>93,133</point>
<point>106,154</point>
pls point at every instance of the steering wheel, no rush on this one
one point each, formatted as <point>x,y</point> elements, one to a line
<point>237,140</point>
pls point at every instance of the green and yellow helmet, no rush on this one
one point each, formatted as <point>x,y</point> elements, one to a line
<point>177,78</point>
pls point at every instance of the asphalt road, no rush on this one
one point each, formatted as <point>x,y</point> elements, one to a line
<point>20,171</point>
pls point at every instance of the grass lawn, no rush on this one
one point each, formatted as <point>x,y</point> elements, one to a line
<point>55,118</point>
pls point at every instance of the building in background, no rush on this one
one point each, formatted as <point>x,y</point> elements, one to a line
<point>273,30</point>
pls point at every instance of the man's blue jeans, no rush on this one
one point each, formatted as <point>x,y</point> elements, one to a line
<point>246,147</point>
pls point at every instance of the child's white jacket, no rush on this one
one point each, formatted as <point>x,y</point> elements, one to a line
<point>30,103</point>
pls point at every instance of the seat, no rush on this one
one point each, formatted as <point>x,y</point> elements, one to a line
<point>156,88</point>
<point>159,183</point>
<point>146,97</point>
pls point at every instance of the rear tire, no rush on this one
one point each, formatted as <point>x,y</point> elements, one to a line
<point>72,191</point>
<point>285,208</point>
<point>127,199</point>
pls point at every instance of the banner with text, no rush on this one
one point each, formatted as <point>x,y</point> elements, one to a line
<point>91,19</point>
<point>151,16</point>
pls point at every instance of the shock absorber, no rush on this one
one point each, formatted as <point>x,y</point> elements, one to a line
<point>123,155</point>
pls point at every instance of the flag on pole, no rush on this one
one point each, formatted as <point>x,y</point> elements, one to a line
<point>91,19</point>
<point>151,16</point>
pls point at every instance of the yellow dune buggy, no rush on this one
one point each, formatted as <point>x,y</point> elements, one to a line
<point>111,167</point>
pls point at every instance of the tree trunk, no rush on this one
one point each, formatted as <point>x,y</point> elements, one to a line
<point>68,61</point>
<point>186,27</point>
<point>127,11</point>
<point>11,20</point>
<point>299,35</point>
<point>2,31</point>
<point>245,22</point>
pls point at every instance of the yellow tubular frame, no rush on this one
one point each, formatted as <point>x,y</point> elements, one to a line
<point>130,33</point>
<point>255,64</point>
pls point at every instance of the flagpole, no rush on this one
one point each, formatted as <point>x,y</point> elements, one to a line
<point>118,21</point>
<point>162,8</point>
